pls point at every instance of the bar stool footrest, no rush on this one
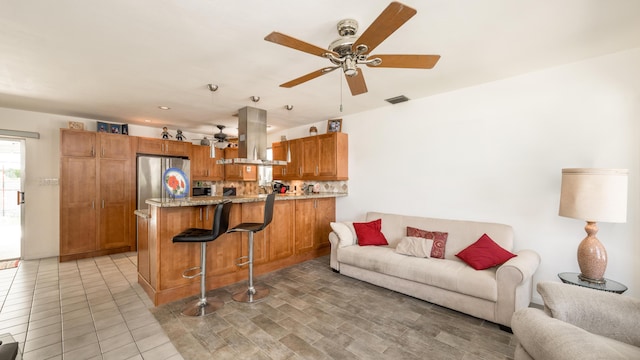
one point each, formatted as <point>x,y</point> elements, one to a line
<point>238,263</point>
<point>184,273</point>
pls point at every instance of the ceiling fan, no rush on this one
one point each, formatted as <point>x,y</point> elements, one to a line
<point>220,139</point>
<point>349,51</point>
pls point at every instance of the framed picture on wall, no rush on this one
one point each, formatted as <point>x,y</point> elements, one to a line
<point>103,127</point>
<point>115,128</point>
<point>334,125</point>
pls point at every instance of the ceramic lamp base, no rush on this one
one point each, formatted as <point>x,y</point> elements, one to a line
<point>592,256</point>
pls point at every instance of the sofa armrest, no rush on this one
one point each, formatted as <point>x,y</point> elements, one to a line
<point>515,284</point>
<point>334,240</point>
<point>544,337</point>
<point>607,314</point>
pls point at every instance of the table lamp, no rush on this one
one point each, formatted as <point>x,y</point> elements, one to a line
<point>593,195</point>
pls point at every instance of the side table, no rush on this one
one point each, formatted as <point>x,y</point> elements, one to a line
<point>609,285</point>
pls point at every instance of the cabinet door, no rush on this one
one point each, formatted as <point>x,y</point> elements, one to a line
<point>232,171</point>
<point>254,213</point>
<point>325,214</point>
<point>115,205</point>
<point>309,163</point>
<point>223,252</point>
<point>77,205</point>
<point>77,143</point>
<point>327,156</point>
<point>150,146</point>
<point>177,148</point>
<point>216,171</point>
<point>279,151</point>
<point>114,146</point>
<point>281,230</point>
<point>199,162</point>
<point>294,167</point>
<point>305,224</point>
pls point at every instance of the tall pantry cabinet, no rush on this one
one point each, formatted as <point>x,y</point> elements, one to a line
<point>95,194</point>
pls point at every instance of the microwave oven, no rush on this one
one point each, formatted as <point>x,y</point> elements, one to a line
<point>201,191</point>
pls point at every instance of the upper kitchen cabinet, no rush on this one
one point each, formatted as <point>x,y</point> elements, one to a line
<point>78,143</point>
<point>241,172</point>
<point>203,166</point>
<point>293,169</point>
<point>153,146</point>
<point>321,157</point>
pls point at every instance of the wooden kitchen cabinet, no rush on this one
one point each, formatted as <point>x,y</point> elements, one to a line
<point>291,171</point>
<point>153,146</point>
<point>276,241</point>
<point>312,223</point>
<point>96,204</point>
<point>238,172</point>
<point>203,167</point>
<point>320,157</point>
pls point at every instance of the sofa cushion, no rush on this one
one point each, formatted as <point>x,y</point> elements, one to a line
<point>369,233</point>
<point>447,274</point>
<point>415,246</point>
<point>439,240</point>
<point>484,253</point>
<point>346,233</point>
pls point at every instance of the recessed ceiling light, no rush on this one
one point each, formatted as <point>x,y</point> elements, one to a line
<point>164,107</point>
<point>147,121</point>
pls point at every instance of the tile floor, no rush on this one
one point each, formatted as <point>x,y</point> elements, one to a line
<point>314,313</point>
<point>94,309</point>
<point>84,309</point>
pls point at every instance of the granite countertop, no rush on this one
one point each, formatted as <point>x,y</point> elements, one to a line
<point>212,200</point>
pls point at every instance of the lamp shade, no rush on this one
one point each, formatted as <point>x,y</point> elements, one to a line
<point>598,195</point>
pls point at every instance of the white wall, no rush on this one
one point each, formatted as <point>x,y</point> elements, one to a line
<point>41,235</point>
<point>495,153</point>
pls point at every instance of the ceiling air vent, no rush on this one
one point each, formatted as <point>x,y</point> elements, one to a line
<point>397,99</point>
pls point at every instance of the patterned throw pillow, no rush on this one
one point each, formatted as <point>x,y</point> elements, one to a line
<point>439,240</point>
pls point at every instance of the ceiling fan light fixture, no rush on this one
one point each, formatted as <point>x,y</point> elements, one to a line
<point>349,66</point>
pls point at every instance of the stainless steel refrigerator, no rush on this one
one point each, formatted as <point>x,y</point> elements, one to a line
<point>150,170</point>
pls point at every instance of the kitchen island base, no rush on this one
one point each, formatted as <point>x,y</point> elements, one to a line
<point>299,232</point>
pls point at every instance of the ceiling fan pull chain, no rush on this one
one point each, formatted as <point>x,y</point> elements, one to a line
<point>340,78</point>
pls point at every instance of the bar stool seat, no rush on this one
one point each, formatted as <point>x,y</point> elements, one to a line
<point>254,293</point>
<point>204,305</point>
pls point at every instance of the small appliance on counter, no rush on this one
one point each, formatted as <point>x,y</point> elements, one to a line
<point>228,191</point>
<point>201,191</point>
<point>280,188</point>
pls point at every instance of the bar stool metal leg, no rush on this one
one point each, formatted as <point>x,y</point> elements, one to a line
<point>252,293</point>
<point>204,305</point>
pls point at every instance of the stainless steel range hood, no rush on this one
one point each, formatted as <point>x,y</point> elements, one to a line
<point>252,139</point>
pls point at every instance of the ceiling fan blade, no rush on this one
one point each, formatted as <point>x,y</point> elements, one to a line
<point>288,41</point>
<point>394,16</point>
<point>309,76</point>
<point>357,84</point>
<point>406,61</point>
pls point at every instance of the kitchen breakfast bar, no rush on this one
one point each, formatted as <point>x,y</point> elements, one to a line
<point>299,232</point>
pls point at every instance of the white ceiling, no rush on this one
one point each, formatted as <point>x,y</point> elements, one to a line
<point>118,60</point>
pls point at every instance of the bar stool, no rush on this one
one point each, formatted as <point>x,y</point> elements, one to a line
<point>254,293</point>
<point>204,305</point>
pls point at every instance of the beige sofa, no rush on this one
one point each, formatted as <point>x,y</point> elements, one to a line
<point>493,294</point>
<point>578,323</point>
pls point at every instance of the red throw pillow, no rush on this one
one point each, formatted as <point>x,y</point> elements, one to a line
<point>484,253</point>
<point>439,240</point>
<point>369,233</point>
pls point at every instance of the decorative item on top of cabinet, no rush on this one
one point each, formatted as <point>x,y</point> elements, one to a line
<point>334,125</point>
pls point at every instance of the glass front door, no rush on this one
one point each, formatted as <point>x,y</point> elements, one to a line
<point>11,196</point>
